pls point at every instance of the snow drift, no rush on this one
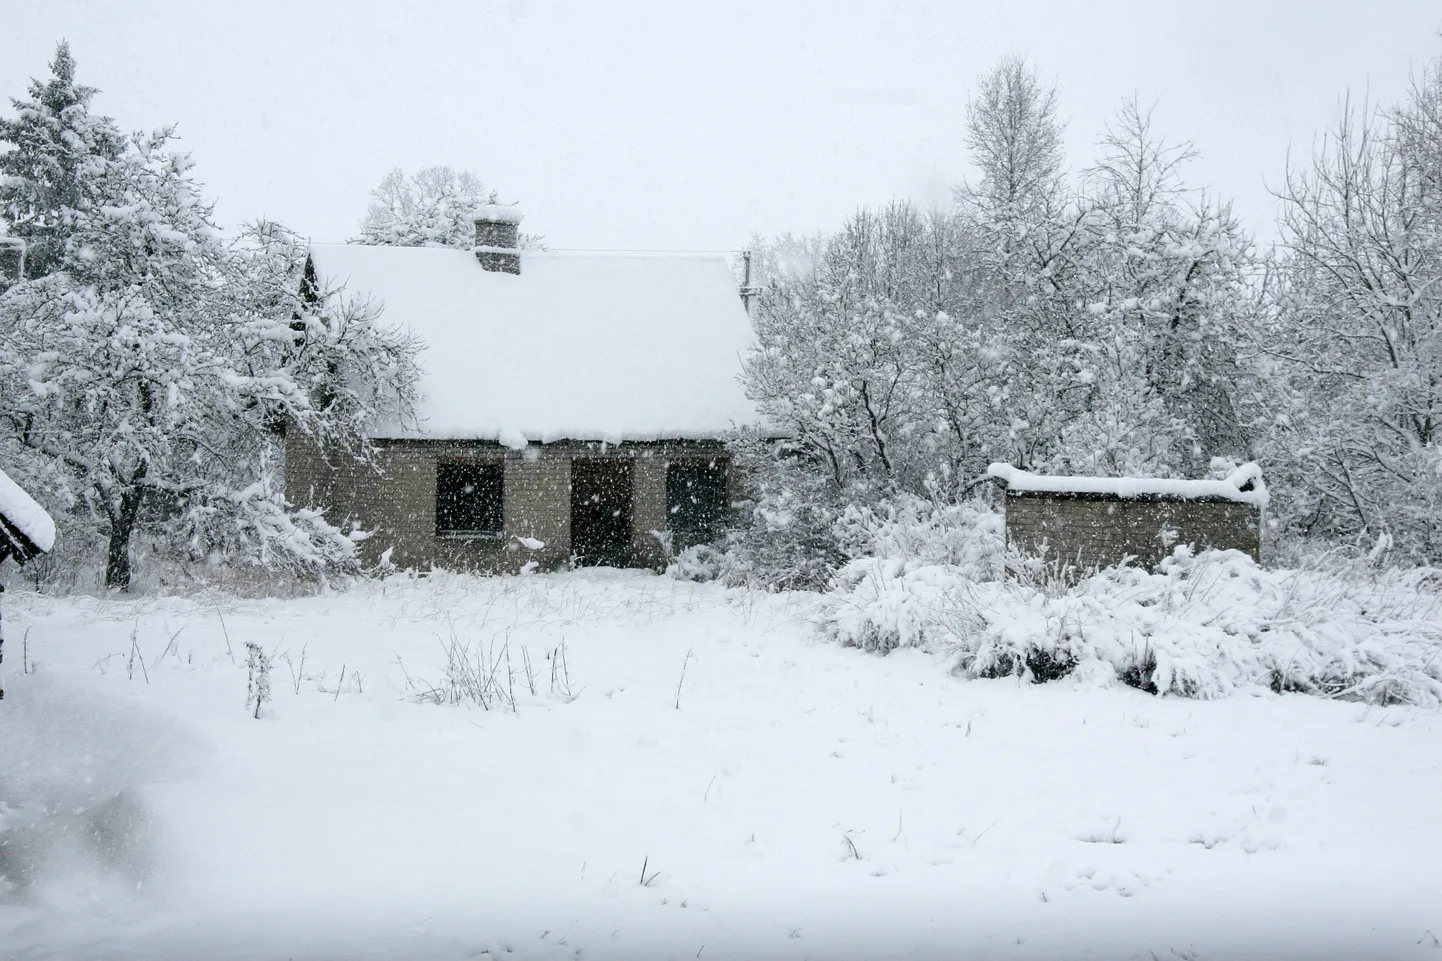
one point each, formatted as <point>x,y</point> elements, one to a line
<point>73,766</point>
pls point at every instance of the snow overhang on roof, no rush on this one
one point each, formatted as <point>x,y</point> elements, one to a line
<point>23,522</point>
<point>611,347</point>
<point>1243,486</point>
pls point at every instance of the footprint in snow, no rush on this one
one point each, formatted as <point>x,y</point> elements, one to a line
<point>1123,883</point>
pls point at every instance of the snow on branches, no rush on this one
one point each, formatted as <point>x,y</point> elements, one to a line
<point>148,372</point>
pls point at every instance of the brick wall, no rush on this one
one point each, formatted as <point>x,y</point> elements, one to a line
<point>1098,531</point>
<point>397,502</point>
<point>9,264</point>
<point>648,507</point>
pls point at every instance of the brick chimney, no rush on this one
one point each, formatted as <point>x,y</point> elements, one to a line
<point>498,232</point>
<point>12,261</point>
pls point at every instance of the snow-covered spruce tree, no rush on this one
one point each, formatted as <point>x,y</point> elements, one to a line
<point>1354,335</point>
<point>56,149</point>
<point>99,352</point>
<point>151,367</point>
<point>434,207</point>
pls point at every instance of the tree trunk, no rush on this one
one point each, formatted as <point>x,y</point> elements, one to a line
<point>117,561</point>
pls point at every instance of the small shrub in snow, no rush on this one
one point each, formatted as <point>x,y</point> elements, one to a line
<point>804,530</point>
<point>916,564</point>
<point>487,675</point>
<point>788,539</point>
<point>970,535</point>
<point>257,686</point>
<point>475,673</point>
<point>701,563</point>
<point>791,544</point>
<point>1202,626</point>
<point>879,605</point>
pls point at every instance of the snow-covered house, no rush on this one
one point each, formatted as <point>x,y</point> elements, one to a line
<point>572,404</point>
<point>1100,521</point>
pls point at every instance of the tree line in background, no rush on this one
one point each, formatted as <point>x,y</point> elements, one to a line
<point>1116,321</point>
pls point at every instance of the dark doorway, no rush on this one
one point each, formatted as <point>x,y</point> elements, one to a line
<point>601,511</point>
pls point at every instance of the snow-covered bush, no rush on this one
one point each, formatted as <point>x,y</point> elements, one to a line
<point>882,604</point>
<point>1202,626</point>
<point>933,549</point>
<point>786,538</point>
<point>253,527</point>
<point>791,544</point>
<point>970,535</point>
<point>701,563</point>
<point>800,531</point>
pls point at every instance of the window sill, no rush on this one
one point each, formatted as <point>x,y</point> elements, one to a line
<point>469,536</point>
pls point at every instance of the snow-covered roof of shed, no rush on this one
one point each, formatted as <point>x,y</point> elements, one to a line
<point>1244,485</point>
<point>577,346</point>
<point>19,511</point>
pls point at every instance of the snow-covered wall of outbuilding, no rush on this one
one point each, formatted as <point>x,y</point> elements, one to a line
<point>1095,522</point>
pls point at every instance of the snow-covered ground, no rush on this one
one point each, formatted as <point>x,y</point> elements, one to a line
<point>803,801</point>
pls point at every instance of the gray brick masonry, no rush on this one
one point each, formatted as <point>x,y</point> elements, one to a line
<point>1097,530</point>
<point>396,498</point>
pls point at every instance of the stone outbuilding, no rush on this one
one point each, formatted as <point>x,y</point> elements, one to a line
<point>573,405</point>
<point>1094,522</point>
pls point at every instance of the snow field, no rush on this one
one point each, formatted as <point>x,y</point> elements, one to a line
<point>804,800</point>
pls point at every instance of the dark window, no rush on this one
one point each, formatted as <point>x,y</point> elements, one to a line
<point>696,495</point>
<point>469,498</point>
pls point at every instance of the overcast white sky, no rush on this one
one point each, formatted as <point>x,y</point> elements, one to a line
<point>670,124</point>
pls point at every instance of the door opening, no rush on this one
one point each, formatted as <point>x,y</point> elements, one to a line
<point>601,511</point>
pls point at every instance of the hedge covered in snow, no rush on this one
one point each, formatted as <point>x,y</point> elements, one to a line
<point>1202,626</point>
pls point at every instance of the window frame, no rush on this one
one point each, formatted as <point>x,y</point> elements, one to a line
<point>490,466</point>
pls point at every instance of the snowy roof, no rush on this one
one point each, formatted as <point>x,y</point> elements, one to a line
<point>577,346</point>
<point>1244,485</point>
<point>499,213</point>
<point>19,512</point>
